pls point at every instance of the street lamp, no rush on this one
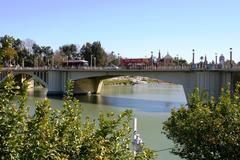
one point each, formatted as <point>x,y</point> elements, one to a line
<point>91,61</point>
<point>193,52</point>
<point>94,62</point>
<point>177,59</point>
<point>118,59</point>
<point>231,65</point>
<point>152,58</point>
<point>216,58</point>
<point>22,62</point>
<point>52,61</point>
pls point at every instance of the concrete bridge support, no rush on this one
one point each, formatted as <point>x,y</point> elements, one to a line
<point>56,82</point>
<point>88,85</point>
<point>208,81</point>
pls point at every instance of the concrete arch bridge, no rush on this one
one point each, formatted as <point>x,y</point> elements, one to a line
<point>90,80</point>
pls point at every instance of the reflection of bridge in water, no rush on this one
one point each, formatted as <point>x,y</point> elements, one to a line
<point>90,79</point>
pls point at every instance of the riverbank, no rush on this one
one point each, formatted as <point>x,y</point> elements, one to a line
<point>127,80</point>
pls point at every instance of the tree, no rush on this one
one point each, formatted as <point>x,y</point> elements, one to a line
<point>206,130</point>
<point>9,54</point>
<point>86,52</point>
<point>16,51</point>
<point>6,41</point>
<point>28,44</point>
<point>7,51</point>
<point>57,59</point>
<point>47,54</point>
<point>179,61</point>
<point>61,134</point>
<point>112,59</point>
<point>94,50</point>
<point>37,51</point>
<point>25,58</point>
<point>70,51</point>
<point>43,54</point>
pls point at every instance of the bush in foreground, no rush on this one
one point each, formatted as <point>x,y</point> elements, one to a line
<point>61,134</point>
<point>206,130</point>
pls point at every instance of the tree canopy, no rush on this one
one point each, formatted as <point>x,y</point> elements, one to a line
<point>93,51</point>
<point>42,54</point>
<point>70,51</point>
<point>13,52</point>
<point>206,130</point>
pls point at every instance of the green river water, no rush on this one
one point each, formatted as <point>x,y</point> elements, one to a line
<point>151,104</point>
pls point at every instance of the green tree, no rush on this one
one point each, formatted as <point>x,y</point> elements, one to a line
<point>70,51</point>
<point>14,51</point>
<point>61,134</point>
<point>90,51</point>
<point>48,54</point>
<point>37,51</point>
<point>9,54</point>
<point>7,51</point>
<point>206,130</point>
<point>25,58</point>
<point>179,61</point>
<point>112,59</point>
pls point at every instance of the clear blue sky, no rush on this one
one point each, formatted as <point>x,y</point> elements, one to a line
<point>132,28</point>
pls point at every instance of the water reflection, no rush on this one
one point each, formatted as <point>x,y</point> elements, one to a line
<point>135,104</point>
<point>37,92</point>
<point>144,98</point>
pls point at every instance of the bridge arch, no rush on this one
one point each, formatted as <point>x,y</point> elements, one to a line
<point>35,77</point>
<point>210,81</point>
<point>93,83</point>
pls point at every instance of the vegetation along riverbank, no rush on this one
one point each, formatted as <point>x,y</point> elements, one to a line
<point>128,80</point>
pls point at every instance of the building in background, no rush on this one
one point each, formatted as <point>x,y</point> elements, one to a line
<point>221,61</point>
<point>135,63</point>
<point>165,61</point>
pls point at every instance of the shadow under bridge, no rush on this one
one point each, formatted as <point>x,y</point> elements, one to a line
<point>91,85</point>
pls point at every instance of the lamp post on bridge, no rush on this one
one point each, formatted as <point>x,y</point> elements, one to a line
<point>193,56</point>
<point>151,59</point>
<point>94,60</point>
<point>216,58</point>
<point>177,60</point>
<point>231,64</point>
<point>91,61</point>
<point>118,59</point>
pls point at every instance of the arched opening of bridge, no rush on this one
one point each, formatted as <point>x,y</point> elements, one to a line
<point>36,86</point>
<point>161,90</point>
<point>38,89</point>
<point>131,91</point>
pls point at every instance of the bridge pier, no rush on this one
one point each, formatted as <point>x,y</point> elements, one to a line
<point>88,85</point>
<point>210,82</point>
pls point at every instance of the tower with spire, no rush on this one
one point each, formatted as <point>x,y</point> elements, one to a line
<point>159,55</point>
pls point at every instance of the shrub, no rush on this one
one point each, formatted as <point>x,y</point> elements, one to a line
<point>206,130</point>
<point>60,134</point>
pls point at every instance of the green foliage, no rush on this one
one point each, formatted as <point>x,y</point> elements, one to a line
<point>61,134</point>
<point>70,51</point>
<point>42,54</point>
<point>95,50</point>
<point>206,130</point>
<point>118,82</point>
<point>179,61</point>
<point>13,52</point>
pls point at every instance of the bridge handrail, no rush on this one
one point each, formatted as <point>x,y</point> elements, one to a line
<point>197,67</point>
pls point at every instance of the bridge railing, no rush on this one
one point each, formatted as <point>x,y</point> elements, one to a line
<point>234,67</point>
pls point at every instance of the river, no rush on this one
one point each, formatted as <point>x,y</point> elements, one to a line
<point>151,104</point>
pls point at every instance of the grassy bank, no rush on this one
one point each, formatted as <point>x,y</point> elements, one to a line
<point>118,82</point>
